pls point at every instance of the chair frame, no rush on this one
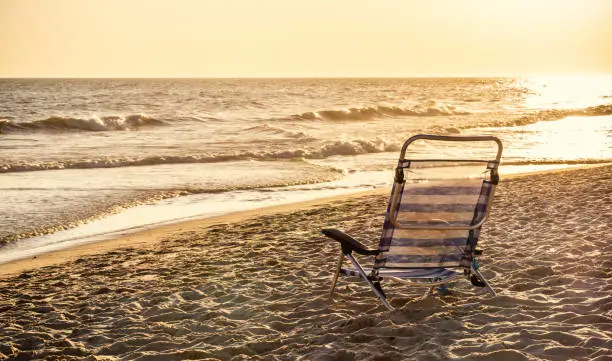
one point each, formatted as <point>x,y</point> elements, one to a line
<point>348,244</point>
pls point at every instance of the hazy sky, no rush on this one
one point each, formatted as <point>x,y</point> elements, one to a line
<point>303,38</point>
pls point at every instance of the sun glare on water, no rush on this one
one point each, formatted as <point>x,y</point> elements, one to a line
<point>586,137</point>
<point>567,92</point>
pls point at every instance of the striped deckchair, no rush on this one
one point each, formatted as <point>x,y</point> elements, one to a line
<point>435,213</point>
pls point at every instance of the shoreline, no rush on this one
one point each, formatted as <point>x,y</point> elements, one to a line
<point>150,236</point>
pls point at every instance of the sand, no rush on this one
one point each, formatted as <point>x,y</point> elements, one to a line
<point>251,287</point>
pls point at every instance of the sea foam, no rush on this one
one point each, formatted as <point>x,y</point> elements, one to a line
<point>95,123</point>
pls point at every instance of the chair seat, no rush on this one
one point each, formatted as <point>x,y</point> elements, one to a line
<point>416,274</point>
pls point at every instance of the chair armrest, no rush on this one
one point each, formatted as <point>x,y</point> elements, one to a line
<point>348,243</point>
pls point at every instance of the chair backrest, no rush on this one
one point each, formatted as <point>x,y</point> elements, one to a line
<point>437,208</point>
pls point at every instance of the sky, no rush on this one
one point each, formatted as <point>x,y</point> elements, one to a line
<point>304,38</point>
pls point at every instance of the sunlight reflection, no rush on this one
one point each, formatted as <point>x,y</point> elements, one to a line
<point>566,92</point>
<point>584,136</point>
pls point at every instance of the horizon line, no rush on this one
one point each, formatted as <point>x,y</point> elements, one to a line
<point>458,76</point>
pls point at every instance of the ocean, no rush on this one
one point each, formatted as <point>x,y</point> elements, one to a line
<point>85,159</point>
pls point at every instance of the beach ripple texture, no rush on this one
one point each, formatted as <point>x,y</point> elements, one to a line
<point>258,290</point>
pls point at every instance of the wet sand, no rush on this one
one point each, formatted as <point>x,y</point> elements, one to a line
<point>255,286</point>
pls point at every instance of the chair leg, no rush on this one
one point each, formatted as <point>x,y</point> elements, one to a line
<point>382,298</point>
<point>336,274</point>
<point>487,285</point>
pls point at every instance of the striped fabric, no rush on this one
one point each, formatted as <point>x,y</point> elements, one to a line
<point>453,202</point>
<point>429,274</point>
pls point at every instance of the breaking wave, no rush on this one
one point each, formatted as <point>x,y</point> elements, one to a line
<point>68,124</point>
<point>353,147</point>
<point>429,109</point>
<point>60,124</point>
<point>338,148</point>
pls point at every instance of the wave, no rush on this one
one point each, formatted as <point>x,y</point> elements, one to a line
<point>429,109</point>
<point>70,124</point>
<point>337,148</point>
<point>325,150</point>
<point>267,129</point>
<point>506,121</point>
<point>550,115</point>
<point>353,147</point>
<point>556,114</point>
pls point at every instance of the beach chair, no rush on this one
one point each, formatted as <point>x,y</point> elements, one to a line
<point>435,213</point>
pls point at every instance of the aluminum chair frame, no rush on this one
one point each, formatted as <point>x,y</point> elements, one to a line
<point>348,244</point>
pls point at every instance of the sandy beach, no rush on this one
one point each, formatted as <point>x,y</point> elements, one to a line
<point>254,286</point>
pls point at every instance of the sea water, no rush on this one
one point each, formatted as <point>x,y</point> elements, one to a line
<point>101,156</point>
